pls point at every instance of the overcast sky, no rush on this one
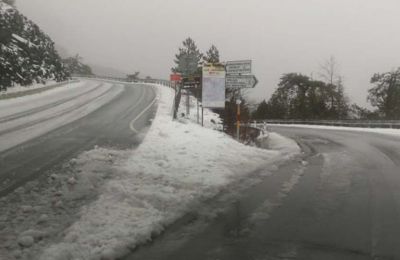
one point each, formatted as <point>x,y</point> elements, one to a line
<point>280,36</point>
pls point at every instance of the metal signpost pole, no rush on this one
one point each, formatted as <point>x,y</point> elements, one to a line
<point>238,102</point>
<point>176,79</point>
<point>202,116</point>
<point>174,106</point>
<point>187,104</point>
<point>239,76</point>
<point>198,96</point>
<point>238,122</point>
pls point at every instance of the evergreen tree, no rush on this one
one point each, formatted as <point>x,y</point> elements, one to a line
<point>188,62</point>
<point>212,55</point>
<point>299,97</point>
<point>342,101</point>
<point>262,111</point>
<point>27,54</point>
<point>385,95</point>
<point>188,59</point>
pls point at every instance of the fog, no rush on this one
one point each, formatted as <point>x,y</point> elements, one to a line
<point>280,36</point>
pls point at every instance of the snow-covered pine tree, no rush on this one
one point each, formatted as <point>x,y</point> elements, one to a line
<point>27,54</point>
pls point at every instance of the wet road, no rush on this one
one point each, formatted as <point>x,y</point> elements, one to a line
<point>339,200</point>
<point>118,123</point>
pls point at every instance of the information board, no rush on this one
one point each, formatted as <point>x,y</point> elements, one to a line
<point>213,86</point>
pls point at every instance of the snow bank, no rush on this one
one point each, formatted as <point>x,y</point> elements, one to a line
<point>177,166</point>
<point>387,131</point>
<point>211,119</point>
<point>36,214</point>
<point>21,89</point>
<point>279,143</point>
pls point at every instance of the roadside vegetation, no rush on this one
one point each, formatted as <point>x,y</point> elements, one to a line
<point>75,65</point>
<point>301,97</point>
<point>212,55</point>
<point>28,55</point>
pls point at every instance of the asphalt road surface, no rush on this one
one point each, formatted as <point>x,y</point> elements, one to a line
<point>118,123</point>
<point>339,200</point>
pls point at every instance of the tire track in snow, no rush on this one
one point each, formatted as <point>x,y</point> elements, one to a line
<point>45,107</point>
<point>61,113</point>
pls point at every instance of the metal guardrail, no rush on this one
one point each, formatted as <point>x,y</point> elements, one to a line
<point>151,81</point>
<point>395,124</point>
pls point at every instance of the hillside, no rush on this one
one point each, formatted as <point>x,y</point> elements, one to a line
<point>27,54</point>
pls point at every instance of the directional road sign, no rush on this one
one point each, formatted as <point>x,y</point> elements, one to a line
<point>238,67</point>
<point>241,81</point>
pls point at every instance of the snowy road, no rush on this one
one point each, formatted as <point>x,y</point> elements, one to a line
<point>38,132</point>
<point>339,200</point>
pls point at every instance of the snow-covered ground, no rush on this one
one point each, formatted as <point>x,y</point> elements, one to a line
<point>211,119</point>
<point>20,89</point>
<point>177,166</point>
<point>106,202</point>
<point>52,109</point>
<point>387,131</point>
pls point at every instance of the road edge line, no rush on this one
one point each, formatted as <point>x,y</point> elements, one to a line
<point>131,124</point>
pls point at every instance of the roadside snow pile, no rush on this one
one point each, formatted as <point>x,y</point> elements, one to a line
<point>36,214</point>
<point>177,167</point>
<point>387,131</point>
<point>211,119</point>
<point>279,143</point>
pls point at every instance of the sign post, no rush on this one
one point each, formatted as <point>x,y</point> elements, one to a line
<point>176,78</point>
<point>197,99</point>
<point>238,103</point>
<point>187,104</point>
<point>239,76</point>
<point>190,83</point>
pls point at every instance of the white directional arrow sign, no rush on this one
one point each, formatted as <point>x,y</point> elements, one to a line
<point>241,81</point>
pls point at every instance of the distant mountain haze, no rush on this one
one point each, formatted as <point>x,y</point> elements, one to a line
<point>280,36</point>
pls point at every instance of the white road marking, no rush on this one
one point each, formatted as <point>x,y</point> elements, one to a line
<point>131,124</point>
